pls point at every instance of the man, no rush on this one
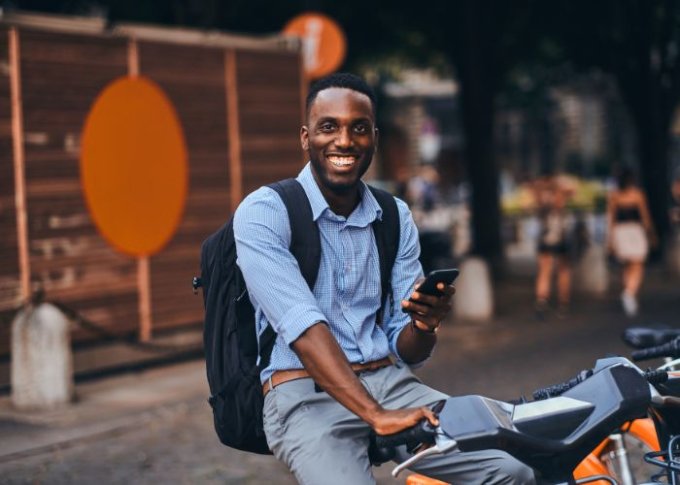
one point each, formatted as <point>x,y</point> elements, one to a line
<point>319,425</point>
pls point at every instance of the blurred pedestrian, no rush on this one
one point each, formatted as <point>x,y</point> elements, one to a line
<point>422,191</point>
<point>554,243</point>
<point>630,232</point>
<point>433,218</point>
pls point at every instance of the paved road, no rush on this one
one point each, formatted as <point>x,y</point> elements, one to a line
<point>172,441</point>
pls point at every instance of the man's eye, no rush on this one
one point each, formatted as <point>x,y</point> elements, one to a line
<point>361,129</point>
<point>327,127</point>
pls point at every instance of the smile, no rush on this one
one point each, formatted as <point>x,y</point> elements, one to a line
<point>344,161</point>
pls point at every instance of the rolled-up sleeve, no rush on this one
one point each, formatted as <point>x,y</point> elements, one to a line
<point>271,272</point>
<point>406,271</point>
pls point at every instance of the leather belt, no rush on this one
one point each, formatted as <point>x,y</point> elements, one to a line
<point>281,376</point>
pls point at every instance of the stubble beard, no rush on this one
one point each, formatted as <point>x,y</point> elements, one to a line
<point>339,188</point>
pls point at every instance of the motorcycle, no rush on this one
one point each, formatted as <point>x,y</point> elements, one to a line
<point>552,434</point>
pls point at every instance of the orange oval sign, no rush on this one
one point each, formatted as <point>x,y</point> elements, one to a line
<point>323,42</point>
<point>133,166</point>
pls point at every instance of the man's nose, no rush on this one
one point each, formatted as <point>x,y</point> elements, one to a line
<point>344,138</point>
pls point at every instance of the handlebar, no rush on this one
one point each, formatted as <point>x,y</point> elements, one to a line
<point>656,376</point>
<point>652,376</point>
<point>559,389</point>
<point>645,337</point>
<point>670,349</point>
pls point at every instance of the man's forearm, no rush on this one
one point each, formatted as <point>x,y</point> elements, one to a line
<point>327,365</point>
<point>415,345</point>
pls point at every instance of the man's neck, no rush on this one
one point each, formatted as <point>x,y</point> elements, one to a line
<point>344,203</point>
<point>341,202</point>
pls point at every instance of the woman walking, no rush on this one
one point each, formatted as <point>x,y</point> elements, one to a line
<point>554,244</point>
<point>630,233</point>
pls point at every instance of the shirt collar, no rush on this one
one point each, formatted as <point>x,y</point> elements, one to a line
<point>365,213</point>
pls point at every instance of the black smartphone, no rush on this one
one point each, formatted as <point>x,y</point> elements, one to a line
<point>446,276</point>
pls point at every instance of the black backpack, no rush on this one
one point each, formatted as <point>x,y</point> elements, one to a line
<point>229,334</point>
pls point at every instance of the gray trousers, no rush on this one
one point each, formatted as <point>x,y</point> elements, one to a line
<point>322,442</point>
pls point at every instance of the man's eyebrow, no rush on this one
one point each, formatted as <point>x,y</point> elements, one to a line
<point>334,120</point>
<point>326,118</point>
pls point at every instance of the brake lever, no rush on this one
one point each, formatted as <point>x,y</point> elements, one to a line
<point>442,445</point>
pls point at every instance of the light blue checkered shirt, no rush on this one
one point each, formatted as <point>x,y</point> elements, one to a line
<point>347,290</point>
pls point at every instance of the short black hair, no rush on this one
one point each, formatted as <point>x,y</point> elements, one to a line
<point>340,80</point>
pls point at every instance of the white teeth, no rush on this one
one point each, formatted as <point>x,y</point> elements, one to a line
<point>342,161</point>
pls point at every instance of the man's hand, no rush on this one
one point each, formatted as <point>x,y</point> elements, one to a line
<point>428,311</point>
<point>416,340</point>
<point>390,421</point>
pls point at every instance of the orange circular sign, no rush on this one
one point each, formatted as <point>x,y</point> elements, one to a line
<point>323,42</point>
<point>133,166</point>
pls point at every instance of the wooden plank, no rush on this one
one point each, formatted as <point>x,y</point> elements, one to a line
<point>270,104</point>
<point>304,90</point>
<point>144,290</point>
<point>234,133</point>
<point>19,163</point>
<point>10,285</point>
<point>133,58</point>
<point>51,48</point>
<point>143,271</point>
<point>278,62</point>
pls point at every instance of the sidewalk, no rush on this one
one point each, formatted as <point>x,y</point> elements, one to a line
<point>102,407</point>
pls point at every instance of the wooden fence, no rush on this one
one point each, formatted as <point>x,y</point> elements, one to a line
<point>240,103</point>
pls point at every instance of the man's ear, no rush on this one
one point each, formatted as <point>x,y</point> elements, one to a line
<point>304,138</point>
<point>377,138</point>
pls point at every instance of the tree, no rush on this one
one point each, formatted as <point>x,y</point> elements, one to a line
<point>483,43</point>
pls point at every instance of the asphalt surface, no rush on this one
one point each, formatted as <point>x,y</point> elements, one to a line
<point>155,426</point>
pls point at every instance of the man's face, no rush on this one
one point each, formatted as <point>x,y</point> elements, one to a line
<point>340,138</point>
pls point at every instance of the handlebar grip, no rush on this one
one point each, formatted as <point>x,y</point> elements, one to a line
<point>645,337</point>
<point>670,349</point>
<point>422,432</point>
<point>559,389</point>
<point>656,376</point>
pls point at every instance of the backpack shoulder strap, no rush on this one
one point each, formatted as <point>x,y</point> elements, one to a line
<point>305,245</point>
<point>387,234</point>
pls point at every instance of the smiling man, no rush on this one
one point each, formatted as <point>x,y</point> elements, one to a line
<point>331,380</point>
